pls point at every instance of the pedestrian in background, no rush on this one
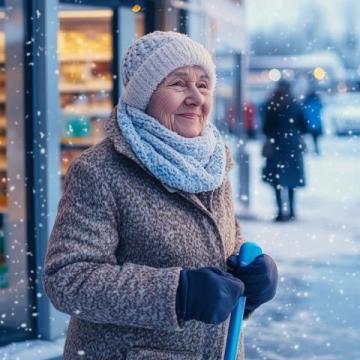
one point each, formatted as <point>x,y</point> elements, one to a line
<point>313,111</point>
<point>284,124</point>
<point>138,253</point>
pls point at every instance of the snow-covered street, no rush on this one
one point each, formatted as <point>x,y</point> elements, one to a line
<point>316,312</point>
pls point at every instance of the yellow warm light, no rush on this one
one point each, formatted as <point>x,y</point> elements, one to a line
<point>319,73</point>
<point>136,8</point>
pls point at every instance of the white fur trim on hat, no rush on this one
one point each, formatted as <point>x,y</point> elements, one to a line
<point>154,56</point>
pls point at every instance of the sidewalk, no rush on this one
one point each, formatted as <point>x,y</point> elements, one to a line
<point>33,350</point>
<point>315,314</point>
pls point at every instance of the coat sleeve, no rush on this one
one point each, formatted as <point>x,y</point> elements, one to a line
<point>301,120</point>
<point>268,119</point>
<point>81,275</point>
<point>238,237</point>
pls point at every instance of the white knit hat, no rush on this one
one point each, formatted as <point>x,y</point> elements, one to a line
<point>154,56</point>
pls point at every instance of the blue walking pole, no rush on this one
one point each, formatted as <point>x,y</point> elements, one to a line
<point>248,252</point>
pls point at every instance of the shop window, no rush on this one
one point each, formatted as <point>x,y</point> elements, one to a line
<point>85,79</point>
<point>85,51</point>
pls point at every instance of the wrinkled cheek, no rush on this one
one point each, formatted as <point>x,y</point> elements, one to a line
<point>165,114</point>
<point>207,111</point>
<point>204,122</point>
<point>166,119</point>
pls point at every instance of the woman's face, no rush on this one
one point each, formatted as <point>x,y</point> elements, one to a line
<point>182,102</point>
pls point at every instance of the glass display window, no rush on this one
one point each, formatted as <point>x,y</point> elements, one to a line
<point>85,78</point>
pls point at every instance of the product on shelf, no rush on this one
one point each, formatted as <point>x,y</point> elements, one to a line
<point>98,131</point>
<point>74,72</point>
<point>4,281</point>
<point>3,186</point>
<point>89,43</point>
<point>101,70</point>
<point>2,78</point>
<point>77,126</point>
<point>2,140</point>
<point>2,44</point>
<point>92,105</point>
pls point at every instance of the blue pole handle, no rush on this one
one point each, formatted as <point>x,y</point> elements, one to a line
<point>247,254</point>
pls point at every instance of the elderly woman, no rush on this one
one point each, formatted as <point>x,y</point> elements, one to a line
<point>145,226</point>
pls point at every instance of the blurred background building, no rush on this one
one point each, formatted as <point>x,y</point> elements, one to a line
<point>310,40</point>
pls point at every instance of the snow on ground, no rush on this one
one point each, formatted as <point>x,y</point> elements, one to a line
<point>315,314</point>
<point>33,350</point>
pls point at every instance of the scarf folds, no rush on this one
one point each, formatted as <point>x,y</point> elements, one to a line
<point>192,165</point>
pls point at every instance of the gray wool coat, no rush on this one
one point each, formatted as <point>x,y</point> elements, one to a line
<point>116,250</point>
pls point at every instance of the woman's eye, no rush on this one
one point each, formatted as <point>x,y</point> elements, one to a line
<point>178,83</point>
<point>203,86</point>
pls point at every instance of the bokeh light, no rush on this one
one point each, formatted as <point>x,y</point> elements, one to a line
<point>136,8</point>
<point>319,73</point>
<point>274,75</point>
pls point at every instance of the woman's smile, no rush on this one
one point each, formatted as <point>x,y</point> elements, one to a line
<point>189,115</point>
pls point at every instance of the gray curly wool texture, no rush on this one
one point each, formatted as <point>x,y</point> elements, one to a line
<point>116,250</point>
<point>154,56</point>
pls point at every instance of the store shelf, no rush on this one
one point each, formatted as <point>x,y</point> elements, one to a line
<point>91,113</point>
<point>86,57</point>
<point>85,14</point>
<point>78,142</point>
<point>89,86</point>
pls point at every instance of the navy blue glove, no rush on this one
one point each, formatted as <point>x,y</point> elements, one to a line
<point>207,294</point>
<point>260,279</point>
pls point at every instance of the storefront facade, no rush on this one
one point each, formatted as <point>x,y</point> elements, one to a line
<point>59,79</point>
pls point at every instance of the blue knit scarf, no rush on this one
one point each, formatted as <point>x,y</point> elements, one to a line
<point>192,165</point>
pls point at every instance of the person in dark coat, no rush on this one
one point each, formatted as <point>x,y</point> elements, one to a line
<point>138,255</point>
<point>284,124</point>
<point>313,110</point>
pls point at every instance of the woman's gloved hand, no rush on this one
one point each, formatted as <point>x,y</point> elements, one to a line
<point>207,294</point>
<point>260,279</point>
